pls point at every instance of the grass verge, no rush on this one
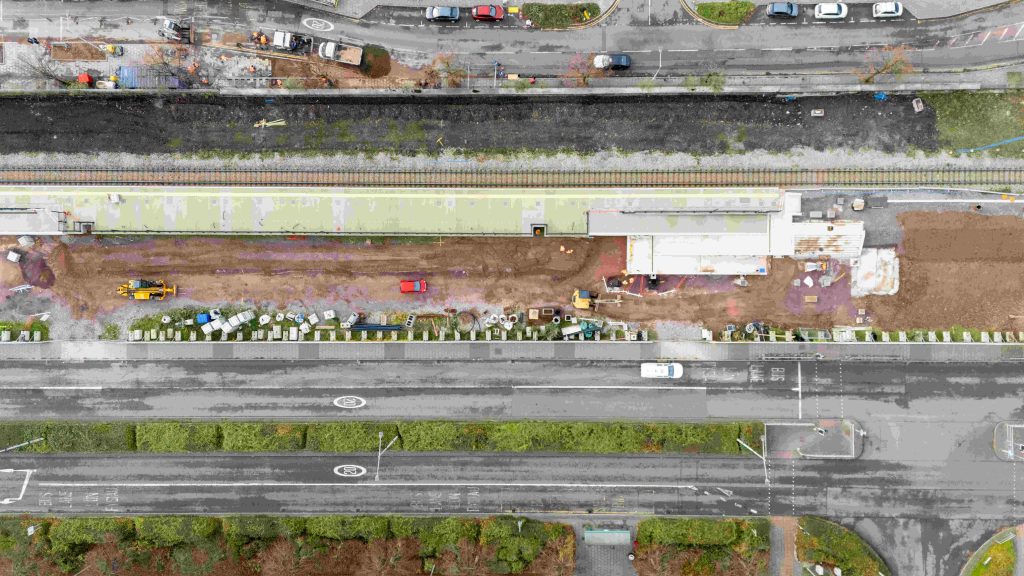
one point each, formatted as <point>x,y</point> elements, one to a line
<point>728,13</point>
<point>1001,559</point>
<point>704,545</point>
<point>560,15</point>
<point>972,119</point>
<point>504,544</point>
<point>361,436</point>
<point>829,544</point>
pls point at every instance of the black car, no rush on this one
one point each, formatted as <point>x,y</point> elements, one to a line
<point>616,61</point>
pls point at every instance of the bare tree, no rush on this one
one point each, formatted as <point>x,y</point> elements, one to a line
<point>581,70</point>
<point>895,61</point>
<point>46,68</point>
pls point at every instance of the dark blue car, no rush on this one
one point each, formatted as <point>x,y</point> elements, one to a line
<point>617,61</point>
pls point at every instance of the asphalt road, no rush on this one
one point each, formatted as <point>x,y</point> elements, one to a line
<point>927,479</point>
<point>657,34</point>
<point>502,483</point>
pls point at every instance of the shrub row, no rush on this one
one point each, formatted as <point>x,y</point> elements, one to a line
<point>823,542</point>
<point>752,533</point>
<point>730,13</point>
<point>67,541</point>
<point>361,436</point>
<point>560,15</point>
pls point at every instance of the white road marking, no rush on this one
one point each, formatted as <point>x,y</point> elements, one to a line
<point>51,387</point>
<point>951,201</point>
<point>683,50</point>
<point>728,49</point>
<point>776,49</point>
<point>584,387</point>
<point>352,484</point>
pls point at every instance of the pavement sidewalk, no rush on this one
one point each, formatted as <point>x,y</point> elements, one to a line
<point>356,9</point>
<point>78,351</point>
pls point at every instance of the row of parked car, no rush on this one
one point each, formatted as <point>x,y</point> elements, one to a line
<point>833,10</point>
<point>483,13</point>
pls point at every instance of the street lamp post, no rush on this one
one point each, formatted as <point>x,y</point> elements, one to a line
<point>380,452</point>
<point>764,461</point>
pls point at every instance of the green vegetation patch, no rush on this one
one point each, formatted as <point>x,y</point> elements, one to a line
<point>376,61</point>
<point>15,328</point>
<point>706,545</point>
<point>538,436</point>
<point>262,437</point>
<point>178,437</point>
<point>194,544</point>
<point>417,436</point>
<point>1003,557</point>
<point>822,542</point>
<point>972,119</point>
<point>728,13</point>
<point>70,436</point>
<point>560,15</point>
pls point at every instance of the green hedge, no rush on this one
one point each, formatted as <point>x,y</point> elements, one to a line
<point>420,436</point>
<point>262,437</point>
<point>66,541</point>
<point>729,13</point>
<point>560,15</point>
<point>822,541</point>
<point>687,532</point>
<point>178,437</point>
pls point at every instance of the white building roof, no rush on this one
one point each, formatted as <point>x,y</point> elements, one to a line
<point>836,239</point>
<point>40,221</point>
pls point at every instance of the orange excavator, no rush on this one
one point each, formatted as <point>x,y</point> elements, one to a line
<point>146,290</point>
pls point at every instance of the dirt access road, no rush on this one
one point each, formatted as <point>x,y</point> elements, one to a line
<point>479,124</point>
<point>956,268</point>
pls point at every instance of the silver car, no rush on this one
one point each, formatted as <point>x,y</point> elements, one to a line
<point>442,14</point>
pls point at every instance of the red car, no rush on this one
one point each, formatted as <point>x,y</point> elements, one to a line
<point>488,13</point>
<point>413,286</point>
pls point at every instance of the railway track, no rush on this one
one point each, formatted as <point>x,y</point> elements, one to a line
<point>510,179</point>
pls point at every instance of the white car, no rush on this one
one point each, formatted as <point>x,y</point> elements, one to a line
<point>887,10</point>
<point>661,370</point>
<point>830,11</point>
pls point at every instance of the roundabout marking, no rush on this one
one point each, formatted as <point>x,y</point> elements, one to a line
<point>349,402</point>
<point>349,470</point>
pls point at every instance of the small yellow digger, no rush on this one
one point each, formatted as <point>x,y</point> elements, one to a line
<point>146,290</point>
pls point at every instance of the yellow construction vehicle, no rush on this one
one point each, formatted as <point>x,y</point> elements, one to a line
<point>585,300</point>
<point>581,299</point>
<point>146,290</point>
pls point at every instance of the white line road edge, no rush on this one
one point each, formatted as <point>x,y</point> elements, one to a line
<point>352,484</point>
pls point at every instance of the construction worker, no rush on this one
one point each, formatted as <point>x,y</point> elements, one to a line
<point>263,40</point>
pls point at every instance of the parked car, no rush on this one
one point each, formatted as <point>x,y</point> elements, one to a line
<point>413,286</point>
<point>783,9</point>
<point>887,10</point>
<point>830,11</point>
<point>488,13</point>
<point>442,14</point>
<point>661,370</point>
<point>615,61</point>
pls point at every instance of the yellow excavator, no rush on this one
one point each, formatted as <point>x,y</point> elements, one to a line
<point>146,290</point>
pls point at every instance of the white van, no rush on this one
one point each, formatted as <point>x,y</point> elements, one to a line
<point>661,370</point>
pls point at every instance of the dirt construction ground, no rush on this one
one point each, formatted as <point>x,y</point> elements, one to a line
<point>956,269</point>
<point>404,124</point>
